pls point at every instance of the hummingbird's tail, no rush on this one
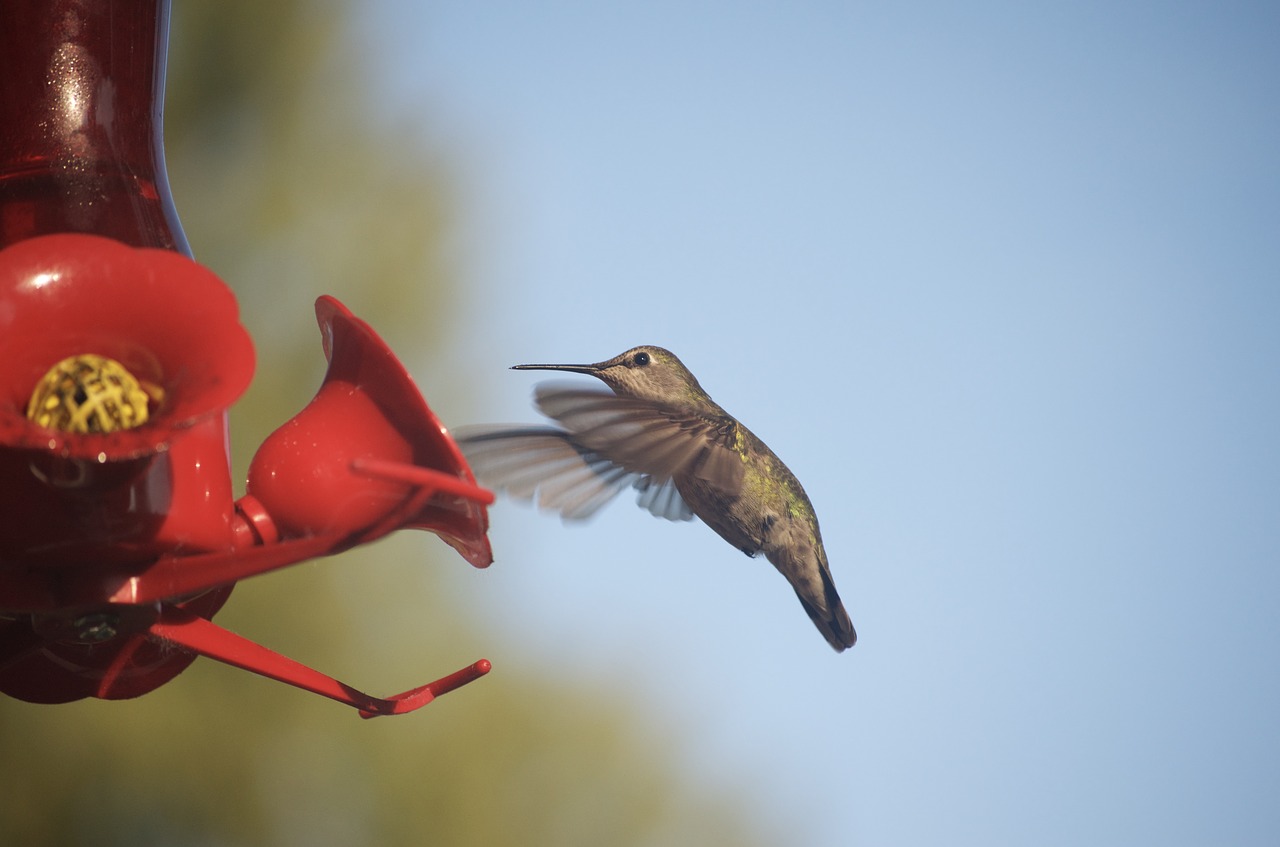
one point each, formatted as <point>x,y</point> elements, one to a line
<point>833,622</point>
<point>804,563</point>
<point>819,598</point>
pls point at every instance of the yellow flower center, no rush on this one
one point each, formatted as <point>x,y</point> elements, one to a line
<point>89,393</point>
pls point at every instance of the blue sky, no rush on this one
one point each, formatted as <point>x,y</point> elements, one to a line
<point>1001,284</point>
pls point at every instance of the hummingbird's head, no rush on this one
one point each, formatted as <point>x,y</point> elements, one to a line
<point>645,373</point>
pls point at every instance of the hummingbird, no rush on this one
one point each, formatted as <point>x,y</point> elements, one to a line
<point>657,430</point>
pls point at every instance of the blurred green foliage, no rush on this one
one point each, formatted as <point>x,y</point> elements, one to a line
<point>289,188</point>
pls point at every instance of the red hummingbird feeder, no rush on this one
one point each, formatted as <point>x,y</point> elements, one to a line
<point>120,537</point>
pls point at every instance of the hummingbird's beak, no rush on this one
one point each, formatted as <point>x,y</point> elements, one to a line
<point>578,369</point>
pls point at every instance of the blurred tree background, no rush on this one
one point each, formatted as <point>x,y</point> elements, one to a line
<point>289,187</point>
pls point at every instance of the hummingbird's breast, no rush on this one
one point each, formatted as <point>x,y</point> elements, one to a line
<point>769,510</point>
<point>733,519</point>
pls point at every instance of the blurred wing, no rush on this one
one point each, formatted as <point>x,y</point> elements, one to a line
<point>658,442</point>
<point>662,499</point>
<point>542,462</point>
<point>545,465</point>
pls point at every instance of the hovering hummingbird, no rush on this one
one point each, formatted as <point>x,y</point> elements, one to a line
<point>659,432</point>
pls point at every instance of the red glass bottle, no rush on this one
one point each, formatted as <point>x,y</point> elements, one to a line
<point>81,151</point>
<point>81,104</point>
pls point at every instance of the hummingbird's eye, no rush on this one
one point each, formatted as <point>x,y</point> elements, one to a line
<point>641,358</point>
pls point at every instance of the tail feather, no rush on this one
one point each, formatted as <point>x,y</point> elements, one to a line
<point>818,596</point>
<point>834,624</point>
<point>804,563</point>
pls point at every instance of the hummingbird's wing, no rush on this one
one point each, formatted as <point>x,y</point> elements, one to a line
<point>662,499</point>
<point>543,462</point>
<point>660,443</point>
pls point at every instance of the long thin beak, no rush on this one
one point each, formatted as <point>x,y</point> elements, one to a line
<point>578,369</point>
